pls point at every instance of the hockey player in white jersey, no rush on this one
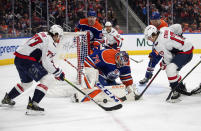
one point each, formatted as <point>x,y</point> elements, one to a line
<point>113,40</point>
<point>155,58</point>
<point>33,61</point>
<point>176,52</point>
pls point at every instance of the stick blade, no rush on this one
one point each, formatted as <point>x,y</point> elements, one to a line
<point>116,107</point>
<point>137,97</point>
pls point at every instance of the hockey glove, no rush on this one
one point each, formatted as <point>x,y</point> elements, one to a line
<point>163,65</point>
<point>59,75</point>
<point>131,88</point>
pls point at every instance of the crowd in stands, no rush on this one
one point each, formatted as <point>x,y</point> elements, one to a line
<point>185,12</point>
<point>18,24</point>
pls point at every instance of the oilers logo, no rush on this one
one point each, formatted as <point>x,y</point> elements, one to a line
<point>91,35</point>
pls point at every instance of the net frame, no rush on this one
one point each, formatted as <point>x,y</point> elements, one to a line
<point>82,42</point>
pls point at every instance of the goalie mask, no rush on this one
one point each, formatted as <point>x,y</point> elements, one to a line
<point>121,59</point>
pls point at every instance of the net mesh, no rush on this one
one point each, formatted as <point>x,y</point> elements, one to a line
<point>74,47</point>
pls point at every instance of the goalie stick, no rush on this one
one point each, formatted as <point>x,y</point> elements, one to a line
<point>137,97</point>
<point>106,91</point>
<point>116,107</point>
<point>181,91</point>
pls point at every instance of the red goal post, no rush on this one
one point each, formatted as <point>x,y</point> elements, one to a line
<point>75,45</point>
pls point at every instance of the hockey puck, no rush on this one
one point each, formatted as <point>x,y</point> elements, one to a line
<point>104,100</point>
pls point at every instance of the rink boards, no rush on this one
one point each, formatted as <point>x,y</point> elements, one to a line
<point>134,44</point>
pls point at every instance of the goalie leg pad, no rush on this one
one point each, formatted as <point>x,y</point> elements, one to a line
<point>98,95</point>
<point>92,75</point>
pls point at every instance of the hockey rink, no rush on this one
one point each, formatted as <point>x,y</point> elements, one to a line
<point>151,113</point>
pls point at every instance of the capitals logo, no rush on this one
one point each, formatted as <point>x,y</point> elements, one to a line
<point>161,53</point>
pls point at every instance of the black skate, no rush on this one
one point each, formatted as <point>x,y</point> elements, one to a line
<point>177,93</point>
<point>7,101</point>
<point>144,81</point>
<point>33,109</point>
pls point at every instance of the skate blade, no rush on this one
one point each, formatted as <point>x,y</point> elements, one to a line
<point>6,105</point>
<point>142,84</point>
<point>174,100</point>
<point>34,113</point>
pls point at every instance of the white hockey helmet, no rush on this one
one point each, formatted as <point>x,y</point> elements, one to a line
<point>108,23</point>
<point>149,30</point>
<point>57,29</point>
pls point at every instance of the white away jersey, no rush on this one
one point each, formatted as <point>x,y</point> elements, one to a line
<point>112,37</point>
<point>41,47</point>
<point>169,44</point>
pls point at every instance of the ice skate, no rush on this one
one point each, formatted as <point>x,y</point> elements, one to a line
<point>176,94</point>
<point>7,101</point>
<point>143,81</point>
<point>33,108</point>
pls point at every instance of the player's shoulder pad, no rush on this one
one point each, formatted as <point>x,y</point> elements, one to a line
<point>83,21</point>
<point>98,26</point>
<point>108,56</point>
<point>163,23</point>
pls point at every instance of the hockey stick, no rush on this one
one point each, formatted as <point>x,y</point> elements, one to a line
<point>116,107</point>
<point>85,78</point>
<point>182,91</point>
<point>137,97</point>
<point>106,91</point>
<point>137,60</point>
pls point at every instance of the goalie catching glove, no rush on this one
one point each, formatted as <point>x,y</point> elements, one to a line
<point>59,75</point>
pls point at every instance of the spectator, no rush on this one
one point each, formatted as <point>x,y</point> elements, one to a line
<point>194,28</point>
<point>118,29</point>
<point>57,11</point>
<point>186,28</point>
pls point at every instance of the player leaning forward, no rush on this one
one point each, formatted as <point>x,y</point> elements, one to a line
<point>176,52</point>
<point>103,67</point>
<point>34,60</point>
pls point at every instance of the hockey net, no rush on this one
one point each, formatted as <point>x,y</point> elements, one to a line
<point>74,47</point>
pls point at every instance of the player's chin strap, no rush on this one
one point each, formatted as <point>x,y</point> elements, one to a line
<point>182,91</point>
<point>106,91</point>
<point>116,107</point>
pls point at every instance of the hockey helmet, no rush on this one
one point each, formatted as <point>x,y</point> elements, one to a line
<point>57,30</point>
<point>149,30</point>
<point>108,23</point>
<point>155,16</point>
<point>91,13</point>
<point>121,59</point>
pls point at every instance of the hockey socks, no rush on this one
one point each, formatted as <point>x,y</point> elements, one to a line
<point>39,93</point>
<point>16,91</point>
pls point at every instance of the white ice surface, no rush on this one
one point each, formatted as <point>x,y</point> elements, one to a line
<point>151,113</point>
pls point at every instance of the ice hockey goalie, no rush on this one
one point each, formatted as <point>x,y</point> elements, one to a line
<point>103,67</point>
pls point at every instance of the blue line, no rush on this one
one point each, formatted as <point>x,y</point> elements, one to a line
<point>14,38</point>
